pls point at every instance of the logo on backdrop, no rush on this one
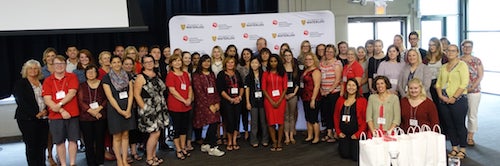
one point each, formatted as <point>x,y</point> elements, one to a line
<point>245,35</point>
<point>243,25</point>
<point>220,26</point>
<point>274,35</point>
<point>222,37</point>
<point>276,47</point>
<point>252,24</point>
<point>192,26</point>
<point>306,33</point>
<point>185,38</point>
<point>303,22</point>
<point>214,25</point>
<point>214,38</point>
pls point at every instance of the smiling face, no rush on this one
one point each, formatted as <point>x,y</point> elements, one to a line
<point>273,63</point>
<point>361,54</point>
<point>351,87</point>
<point>308,60</point>
<point>116,64</point>
<point>195,59</point>
<point>393,53</point>
<point>231,51</point>
<point>155,52</point>
<point>148,63</point>
<point>128,65</point>
<point>381,86</point>
<point>91,74</point>
<point>351,55</point>
<point>343,48</point>
<point>230,64</point>
<point>412,57</point>
<point>414,90</point>
<point>255,64</point>
<point>206,64</point>
<point>32,71</point>
<point>84,59</point>
<point>177,63</point>
<point>59,66</point>
<point>186,59</point>
<point>288,57</point>
<point>105,60</point>
<point>330,53</point>
<point>247,55</point>
<point>49,59</point>
<point>378,47</point>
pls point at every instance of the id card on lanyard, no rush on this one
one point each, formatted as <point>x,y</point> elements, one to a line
<point>60,93</point>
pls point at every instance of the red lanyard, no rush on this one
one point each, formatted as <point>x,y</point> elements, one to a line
<point>62,86</point>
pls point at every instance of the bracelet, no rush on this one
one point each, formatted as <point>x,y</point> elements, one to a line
<point>60,104</point>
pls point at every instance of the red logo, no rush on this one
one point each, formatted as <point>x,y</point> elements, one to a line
<point>185,38</point>
<point>214,25</point>
<point>245,35</point>
<point>306,32</point>
<point>275,22</point>
<point>276,47</point>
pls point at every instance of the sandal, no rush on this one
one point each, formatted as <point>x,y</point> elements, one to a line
<point>236,147</point>
<point>137,157</point>
<point>152,162</point>
<point>471,142</point>
<point>453,153</point>
<point>461,155</point>
<point>273,149</point>
<point>279,148</point>
<point>130,160</point>
<point>293,141</point>
<point>229,147</point>
<point>287,142</point>
<point>180,156</point>
<point>255,145</point>
<point>186,153</point>
<point>159,160</point>
<point>219,141</point>
<point>189,148</point>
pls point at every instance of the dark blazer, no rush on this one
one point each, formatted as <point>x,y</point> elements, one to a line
<point>27,107</point>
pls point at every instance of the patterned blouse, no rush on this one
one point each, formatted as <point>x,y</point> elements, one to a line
<point>473,65</point>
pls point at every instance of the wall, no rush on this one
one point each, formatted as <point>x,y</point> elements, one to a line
<point>342,9</point>
<point>8,125</point>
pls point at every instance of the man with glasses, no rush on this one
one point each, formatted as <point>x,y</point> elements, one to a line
<point>58,91</point>
<point>414,39</point>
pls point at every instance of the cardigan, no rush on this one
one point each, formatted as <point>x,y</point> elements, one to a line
<point>422,72</point>
<point>361,104</point>
<point>27,107</point>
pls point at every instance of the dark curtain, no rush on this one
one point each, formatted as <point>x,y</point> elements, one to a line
<point>15,50</point>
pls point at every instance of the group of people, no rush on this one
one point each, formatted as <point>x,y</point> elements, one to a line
<point>134,95</point>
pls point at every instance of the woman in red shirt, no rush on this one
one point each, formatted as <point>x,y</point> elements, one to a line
<point>352,69</point>
<point>416,108</point>
<point>311,81</point>
<point>274,86</point>
<point>179,101</point>
<point>350,120</point>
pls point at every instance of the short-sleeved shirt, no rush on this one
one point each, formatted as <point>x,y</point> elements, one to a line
<point>328,76</point>
<point>353,71</point>
<point>52,85</point>
<point>176,81</point>
<point>473,65</point>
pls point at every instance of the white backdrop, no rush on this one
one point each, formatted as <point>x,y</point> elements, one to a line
<point>201,33</point>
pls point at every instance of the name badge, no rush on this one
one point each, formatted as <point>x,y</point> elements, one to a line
<point>323,75</point>
<point>393,81</point>
<point>301,67</point>
<point>183,87</point>
<point>344,79</point>
<point>210,90</point>
<point>60,95</point>
<point>346,118</point>
<point>381,121</point>
<point>406,88</point>
<point>375,75</point>
<point>123,95</point>
<point>258,94</point>
<point>94,105</point>
<point>301,85</point>
<point>289,84</point>
<point>234,91</point>
<point>276,93</point>
<point>413,122</point>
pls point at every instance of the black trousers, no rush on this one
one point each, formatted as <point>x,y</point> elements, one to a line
<point>211,136</point>
<point>35,134</point>
<point>327,108</point>
<point>93,136</point>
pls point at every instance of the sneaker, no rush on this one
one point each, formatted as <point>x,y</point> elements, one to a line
<point>215,152</point>
<point>205,148</point>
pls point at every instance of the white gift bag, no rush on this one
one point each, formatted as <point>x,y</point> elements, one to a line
<point>373,152</point>
<point>436,146</point>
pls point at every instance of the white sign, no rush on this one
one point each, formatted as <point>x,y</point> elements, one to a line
<point>202,33</point>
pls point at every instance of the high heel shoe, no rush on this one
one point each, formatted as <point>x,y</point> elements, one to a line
<point>152,162</point>
<point>180,155</point>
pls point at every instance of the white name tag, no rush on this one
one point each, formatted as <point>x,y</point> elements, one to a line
<point>94,105</point>
<point>289,84</point>
<point>346,118</point>
<point>323,75</point>
<point>183,87</point>
<point>344,79</point>
<point>60,95</point>
<point>258,94</point>
<point>234,91</point>
<point>276,93</point>
<point>301,67</point>
<point>393,81</point>
<point>210,90</point>
<point>301,85</point>
<point>413,122</point>
<point>381,121</point>
<point>123,95</point>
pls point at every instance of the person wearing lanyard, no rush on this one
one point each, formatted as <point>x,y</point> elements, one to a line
<point>414,69</point>
<point>253,92</point>
<point>92,101</point>
<point>417,108</point>
<point>207,106</point>
<point>118,87</point>
<point>351,70</point>
<point>331,74</point>
<point>374,63</point>
<point>383,111</point>
<point>59,91</point>
<point>349,118</point>
<point>31,113</point>
<point>451,85</point>
<point>292,70</point>
<point>274,85</point>
<point>311,82</point>
<point>392,67</point>
<point>179,101</point>
<point>230,87</point>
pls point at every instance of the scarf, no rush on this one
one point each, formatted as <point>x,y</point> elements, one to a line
<point>119,80</point>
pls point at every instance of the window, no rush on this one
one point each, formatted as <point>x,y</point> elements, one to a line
<point>361,29</point>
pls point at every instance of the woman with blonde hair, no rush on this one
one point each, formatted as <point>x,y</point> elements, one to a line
<point>416,108</point>
<point>131,52</point>
<point>311,82</point>
<point>217,58</point>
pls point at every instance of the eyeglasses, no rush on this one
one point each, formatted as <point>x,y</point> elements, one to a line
<point>467,46</point>
<point>60,64</point>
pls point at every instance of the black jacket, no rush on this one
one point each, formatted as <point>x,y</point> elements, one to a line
<point>27,107</point>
